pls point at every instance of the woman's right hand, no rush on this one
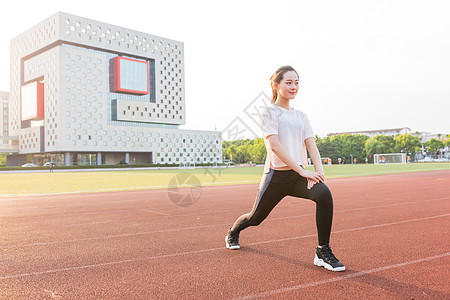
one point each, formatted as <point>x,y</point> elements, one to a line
<point>315,177</point>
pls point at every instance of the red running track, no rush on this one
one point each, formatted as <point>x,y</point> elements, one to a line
<point>391,232</point>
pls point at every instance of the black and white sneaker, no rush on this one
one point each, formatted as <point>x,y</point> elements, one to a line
<point>325,258</point>
<point>232,240</point>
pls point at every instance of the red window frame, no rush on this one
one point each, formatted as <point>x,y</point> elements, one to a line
<point>116,86</point>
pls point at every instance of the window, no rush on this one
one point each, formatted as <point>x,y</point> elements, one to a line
<point>131,75</point>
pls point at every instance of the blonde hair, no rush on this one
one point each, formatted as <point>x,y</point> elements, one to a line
<point>276,79</point>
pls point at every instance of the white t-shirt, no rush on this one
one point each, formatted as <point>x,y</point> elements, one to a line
<point>292,127</point>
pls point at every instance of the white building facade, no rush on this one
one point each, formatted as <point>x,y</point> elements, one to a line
<point>372,133</point>
<point>4,111</point>
<point>82,88</point>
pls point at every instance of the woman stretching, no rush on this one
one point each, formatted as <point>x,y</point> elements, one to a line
<point>287,135</point>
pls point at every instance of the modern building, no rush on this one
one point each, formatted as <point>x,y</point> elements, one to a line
<point>372,133</point>
<point>83,91</point>
<point>4,108</point>
<point>8,144</point>
<point>427,136</point>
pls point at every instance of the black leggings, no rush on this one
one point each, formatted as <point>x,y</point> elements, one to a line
<point>277,184</point>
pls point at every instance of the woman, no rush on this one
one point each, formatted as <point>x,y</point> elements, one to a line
<point>287,136</point>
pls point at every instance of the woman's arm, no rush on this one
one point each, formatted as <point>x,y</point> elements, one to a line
<point>314,154</point>
<point>284,156</point>
<point>315,158</point>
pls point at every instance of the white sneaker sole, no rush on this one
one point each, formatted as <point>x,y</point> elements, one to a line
<point>320,263</point>
<point>231,247</point>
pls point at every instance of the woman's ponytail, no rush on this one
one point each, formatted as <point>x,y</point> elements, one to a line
<point>274,92</point>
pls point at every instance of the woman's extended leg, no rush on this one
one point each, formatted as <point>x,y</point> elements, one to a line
<point>265,201</point>
<point>270,193</point>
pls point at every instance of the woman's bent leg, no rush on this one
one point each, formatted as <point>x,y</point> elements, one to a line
<point>324,212</point>
<point>320,194</point>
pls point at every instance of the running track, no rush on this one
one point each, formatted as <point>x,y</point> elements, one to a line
<point>391,232</point>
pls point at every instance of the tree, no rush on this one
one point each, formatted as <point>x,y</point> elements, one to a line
<point>380,144</point>
<point>354,146</point>
<point>434,145</point>
<point>407,143</point>
<point>231,152</point>
<point>344,146</point>
<point>260,151</point>
<point>244,151</point>
<point>326,148</point>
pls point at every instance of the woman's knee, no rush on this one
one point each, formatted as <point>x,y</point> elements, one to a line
<point>323,193</point>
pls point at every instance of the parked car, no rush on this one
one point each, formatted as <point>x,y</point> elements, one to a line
<point>49,164</point>
<point>29,165</point>
<point>441,160</point>
<point>426,159</point>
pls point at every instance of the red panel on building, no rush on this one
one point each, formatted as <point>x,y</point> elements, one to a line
<point>33,101</point>
<point>131,76</point>
<point>40,101</point>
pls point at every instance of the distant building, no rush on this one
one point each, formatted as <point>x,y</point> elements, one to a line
<point>8,144</point>
<point>84,91</point>
<point>371,133</point>
<point>427,136</point>
<point>4,98</point>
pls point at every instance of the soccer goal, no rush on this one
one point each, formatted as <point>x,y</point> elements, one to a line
<point>389,158</point>
<point>187,165</point>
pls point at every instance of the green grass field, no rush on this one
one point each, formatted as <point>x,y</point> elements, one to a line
<point>24,184</point>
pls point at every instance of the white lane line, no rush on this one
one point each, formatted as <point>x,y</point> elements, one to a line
<point>342,195</point>
<point>155,212</point>
<point>128,221</point>
<point>182,215</point>
<point>108,263</point>
<point>352,229</point>
<point>208,226</point>
<point>214,184</point>
<point>200,251</point>
<point>340,278</point>
<point>386,172</point>
<point>138,188</point>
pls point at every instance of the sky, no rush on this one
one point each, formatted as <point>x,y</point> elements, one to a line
<point>363,65</point>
